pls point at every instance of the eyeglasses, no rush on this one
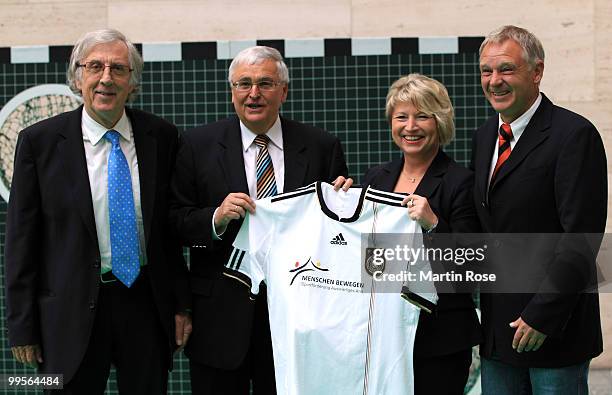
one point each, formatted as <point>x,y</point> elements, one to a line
<point>263,85</point>
<point>95,67</point>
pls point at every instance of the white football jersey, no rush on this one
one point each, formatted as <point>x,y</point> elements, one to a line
<point>329,336</point>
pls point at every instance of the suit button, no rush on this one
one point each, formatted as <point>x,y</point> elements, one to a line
<point>96,264</point>
<point>92,305</point>
<point>484,204</point>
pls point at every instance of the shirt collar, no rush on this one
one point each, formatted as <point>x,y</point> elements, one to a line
<point>95,132</point>
<point>520,124</point>
<point>275,133</point>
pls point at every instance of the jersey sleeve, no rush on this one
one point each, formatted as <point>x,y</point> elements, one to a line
<point>247,262</point>
<point>421,293</point>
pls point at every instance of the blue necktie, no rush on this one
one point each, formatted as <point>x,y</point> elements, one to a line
<point>122,215</point>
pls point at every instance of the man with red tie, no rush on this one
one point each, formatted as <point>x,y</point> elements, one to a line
<point>539,169</point>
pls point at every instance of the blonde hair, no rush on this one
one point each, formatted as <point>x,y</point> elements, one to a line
<point>428,96</point>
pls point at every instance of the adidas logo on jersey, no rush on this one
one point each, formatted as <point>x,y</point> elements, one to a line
<point>339,240</point>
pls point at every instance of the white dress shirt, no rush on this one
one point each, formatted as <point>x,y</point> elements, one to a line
<point>518,127</point>
<point>97,149</point>
<point>249,154</point>
<point>250,150</point>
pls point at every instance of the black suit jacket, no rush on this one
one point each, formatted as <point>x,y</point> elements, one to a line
<point>210,165</point>
<point>555,181</point>
<point>453,326</point>
<point>52,255</point>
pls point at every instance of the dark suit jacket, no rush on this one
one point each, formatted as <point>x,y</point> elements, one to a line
<point>555,181</point>
<point>52,255</point>
<point>453,326</point>
<point>209,166</point>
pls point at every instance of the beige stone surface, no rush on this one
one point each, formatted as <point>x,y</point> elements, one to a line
<point>605,359</point>
<point>566,34</point>
<point>447,17</point>
<point>230,20</point>
<point>602,42</point>
<point>49,23</point>
<point>603,51</point>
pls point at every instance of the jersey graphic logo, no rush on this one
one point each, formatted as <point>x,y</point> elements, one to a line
<point>339,240</point>
<point>373,265</point>
<point>299,269</point>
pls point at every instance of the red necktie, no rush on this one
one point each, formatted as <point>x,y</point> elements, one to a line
<point>503,151</point>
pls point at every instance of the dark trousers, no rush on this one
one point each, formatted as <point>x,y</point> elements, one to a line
<point>256,369</point>
<point>128,334</point>
<point>443,374</point>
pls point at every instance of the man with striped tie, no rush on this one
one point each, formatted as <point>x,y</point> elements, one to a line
<point>221,169</point>
<point>539,169</point>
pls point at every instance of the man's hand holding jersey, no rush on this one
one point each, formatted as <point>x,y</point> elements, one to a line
<point>235,205</point>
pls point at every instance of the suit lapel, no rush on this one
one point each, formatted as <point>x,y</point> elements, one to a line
<point>485,154</point>
<point>431,180</point>
<point>296,161</point>
<point>433,176</point>
<point>72,154</point>
<point>535,133</point>
<point>146,152</point>
<point>231,158</point>
<point>389,174</point>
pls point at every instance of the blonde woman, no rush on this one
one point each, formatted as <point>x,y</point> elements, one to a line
<point>420,114</point>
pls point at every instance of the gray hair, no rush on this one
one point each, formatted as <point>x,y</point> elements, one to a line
<point>426,95</point>
<point>257,55</point>
<point>532,47</point>
<point>86,43</point>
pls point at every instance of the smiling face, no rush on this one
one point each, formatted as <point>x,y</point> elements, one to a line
<point>509,83</point>
<point>414,132</point>
<point>258,109</point>
<point>105,95</point>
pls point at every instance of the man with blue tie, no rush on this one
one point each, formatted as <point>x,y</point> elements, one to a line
<point>221,169</point>
<point>93,275</point>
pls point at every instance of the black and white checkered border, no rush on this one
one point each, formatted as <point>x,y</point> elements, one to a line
<point>299,48</point>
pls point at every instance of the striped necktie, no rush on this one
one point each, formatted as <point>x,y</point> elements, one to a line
<point>503,150</point>
<point>266,184</point>
<point>122,215</point>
